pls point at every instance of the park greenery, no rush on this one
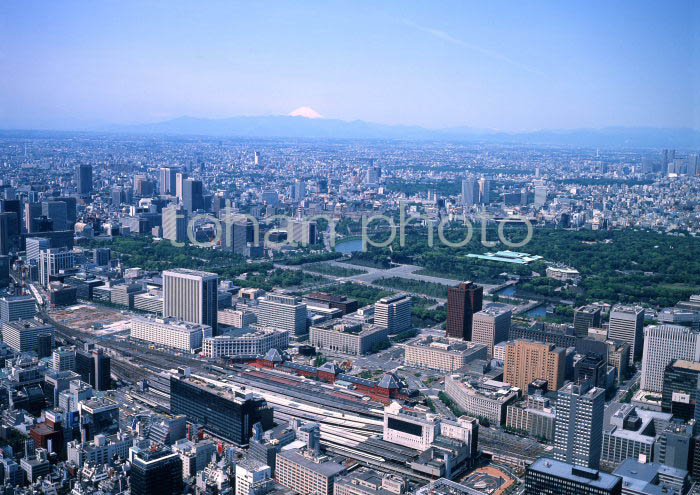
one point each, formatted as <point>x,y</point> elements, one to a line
<point>625,266</point>
<point>333,270</point>
<point>432,289</point>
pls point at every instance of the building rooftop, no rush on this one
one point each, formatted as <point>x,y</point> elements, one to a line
<point>688,365</point>
<point>190,272</point>
<point>577,474</point>
<point>321,465</point>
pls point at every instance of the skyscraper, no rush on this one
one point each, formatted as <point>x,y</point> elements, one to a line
<point>192,195</point>
<point>299,190</point>
<point>540,195</point>
<point>526,361</point>
<point>462,302</point>
<point>485,190</point>
<point>491,325</point>
<point>167,180</point>
<point>470,192</point>
<point>662,345</point>
<point>586,317</point>
<point>31,211</point>
<point>13,207</point>
<point>681,392</point>
<point>559,478</point>
<point>393,313</point>
<point>84,179</point>
<point>578,430</point>
<point>191,295</point>
<point>627,325</point>
<point>174,221</point>
<point>5,220</point>
<point>52,261</point>
<point>180,178</point>
<point>283,311</point>
<point>57,211</point>
<point>156,473</point>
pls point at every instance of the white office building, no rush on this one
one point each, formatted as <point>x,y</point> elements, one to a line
<point>393,313</point>
<point>627,326</point>
<point>257,342</point>
<point>52,261</point>
<point>169,332</point>
<point>22,335</point>
<point>662,345</point>
<point>191,295</point>
<point>15,308</point>
<point>284,312</point>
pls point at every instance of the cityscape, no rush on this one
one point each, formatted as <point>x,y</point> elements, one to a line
<point>285,297</point>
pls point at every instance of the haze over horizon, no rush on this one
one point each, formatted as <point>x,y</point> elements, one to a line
<point>509,67</point>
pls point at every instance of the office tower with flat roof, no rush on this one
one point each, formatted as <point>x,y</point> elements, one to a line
<point>681,392</point>
<point>57,211</point>
<point>191,295</point>
<point>491,326</point>
<point>71,210</point>
<point>540,195</point>
<point>485,190</point>
<point>627,325</point>
<point>253,477</point>
<point>283,311</point>
<point>306,473</point>
<point>84,179</point>
<point>34,246</point>
<point>560,478</point>
<point>586,317</point>
<point>180,178</point>
<point>94,368</point>
<point>393,313</point>
<point>31,211</point>
<point>52,261</point>
<point>224,412</point>
<point>462,302</point>
<point>14,308</point>
<point>299,190</point>
<point>14,208</point>
<point>192,195</point>
<point>156,473</point>
<point>174,221</point>
<point>5,221</point>
<point>167,178</point>
<point>470,192</point>
<point>578,431</point>
<point>663,344</point>
<point>63,359</point>
<point>527,361</point>
<point>23,335</point>
<point>4,271</point>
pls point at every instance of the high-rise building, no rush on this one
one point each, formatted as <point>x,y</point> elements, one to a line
<point>681,392</point>
<point>143,186</point>
<point>5,221</point>
<point>4,271</point>
<point>253,477</point>
<point>306,473</point>
<point>23,335</point>
<point>71,210</point>
<point>586,317</point>
<point>101,256</point>
<point>662,345</point>
<point>13,308</point>
<point>527,361</point>
<point>299,189</point>
<point>64,359</point>
<point>14,207</point>
<point>393,313</point>
<point>470,192</point>
<point>174,220</point>
<point>180,178</point>
<point>627,325</point>
<point>283,311</point>
<point>485,190</point>
<point>192,195</point>
<point>84,179</point>
<point>223,412</point>
<point>94,368</point>
<point>592,367</point>
<point>540,195</point>
<point>57,211</point>
<point>491,326</point>
<point>156,473</point>
<point>462,302</point>
<point>167,180</point>
<point>578,431</point>
<point>559,478</point>
<point>34,246</point>
<point>52,261</point>
<point>31,211</point>
<point>191,295</point>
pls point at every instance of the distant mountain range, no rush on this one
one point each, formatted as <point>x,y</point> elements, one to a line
<point>302,127</point>
<point>281,126</point>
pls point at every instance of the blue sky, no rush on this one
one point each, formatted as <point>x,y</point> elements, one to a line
<point>520,65</point>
